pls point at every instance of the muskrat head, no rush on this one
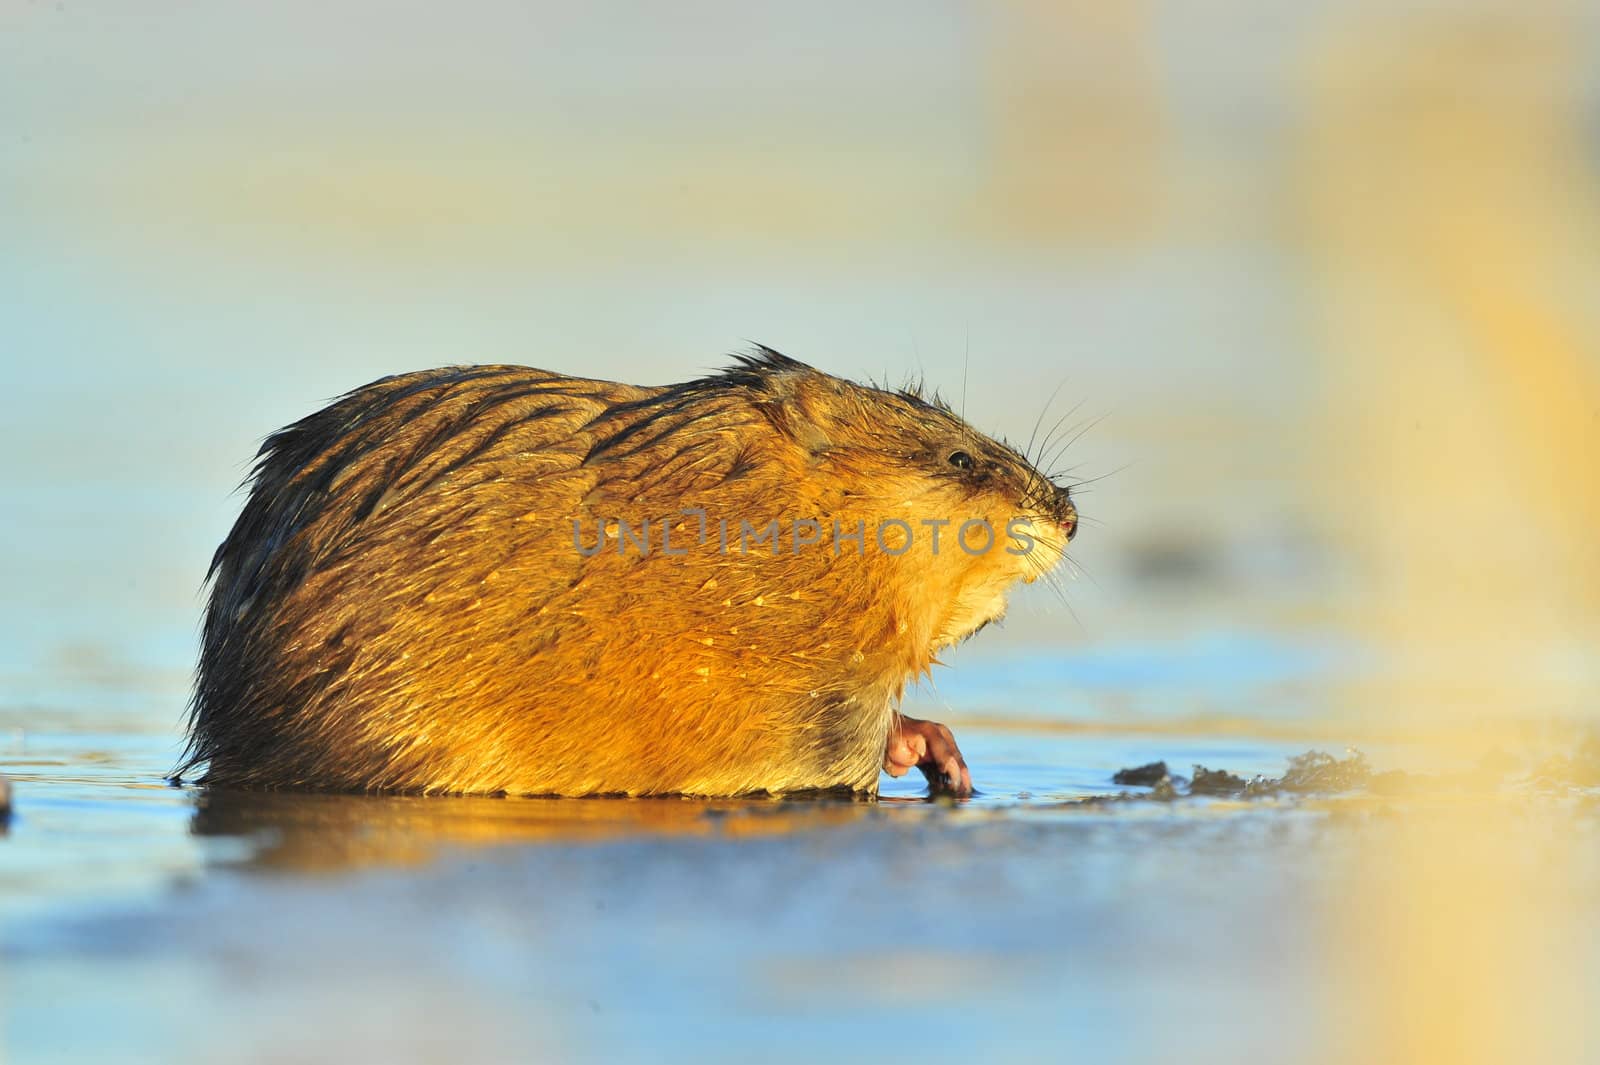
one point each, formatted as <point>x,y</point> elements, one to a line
<point>954,517</point>
<point>1002,518</point>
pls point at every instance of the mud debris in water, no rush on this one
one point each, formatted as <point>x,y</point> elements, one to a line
<point>1318,771</point>
<point>1165,790</point>
<point>1215,782</point>
<point>1313,772</point>
<point>1143,776</point>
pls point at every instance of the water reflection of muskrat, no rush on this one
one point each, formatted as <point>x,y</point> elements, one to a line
<point>456,581</point>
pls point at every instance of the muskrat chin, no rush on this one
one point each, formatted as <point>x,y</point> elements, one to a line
<point>1036,546</point>
<point>1044,548</point>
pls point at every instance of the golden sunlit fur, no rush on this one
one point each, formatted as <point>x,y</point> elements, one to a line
<point>404,602</point>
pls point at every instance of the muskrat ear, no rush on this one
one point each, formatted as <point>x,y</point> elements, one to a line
<point>790,402</point>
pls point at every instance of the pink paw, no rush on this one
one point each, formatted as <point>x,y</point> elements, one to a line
<point>930,747</point>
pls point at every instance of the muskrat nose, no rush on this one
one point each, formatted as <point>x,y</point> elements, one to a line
<point>1069,518</point>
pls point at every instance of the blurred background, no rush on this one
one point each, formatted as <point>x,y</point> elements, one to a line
<point>1313,287</point>
<point>1316,281</point>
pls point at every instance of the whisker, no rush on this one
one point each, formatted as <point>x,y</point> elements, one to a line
<point>1027,452</point>
<point>1083,570</point>
<point>1061,593</point>
<point>1091,480</point>
<point>1073,439</point>
<point>966,359</point>
<point>1055,428</point>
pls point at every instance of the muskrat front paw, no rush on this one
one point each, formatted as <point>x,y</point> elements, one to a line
<point>932,748</point>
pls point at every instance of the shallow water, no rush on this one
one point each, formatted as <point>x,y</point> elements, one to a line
<point>616,929</point>
<point>1035,919</point>
<point>96,824</point>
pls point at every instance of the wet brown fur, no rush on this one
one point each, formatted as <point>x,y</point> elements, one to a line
<point>401,603</point>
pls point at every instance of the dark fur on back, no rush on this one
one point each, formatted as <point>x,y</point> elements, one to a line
<point>293,487</point>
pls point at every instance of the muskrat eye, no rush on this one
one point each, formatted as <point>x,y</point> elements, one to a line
<point>961,460</point>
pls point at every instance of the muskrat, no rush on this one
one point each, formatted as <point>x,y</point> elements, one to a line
<point>503,580</point>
